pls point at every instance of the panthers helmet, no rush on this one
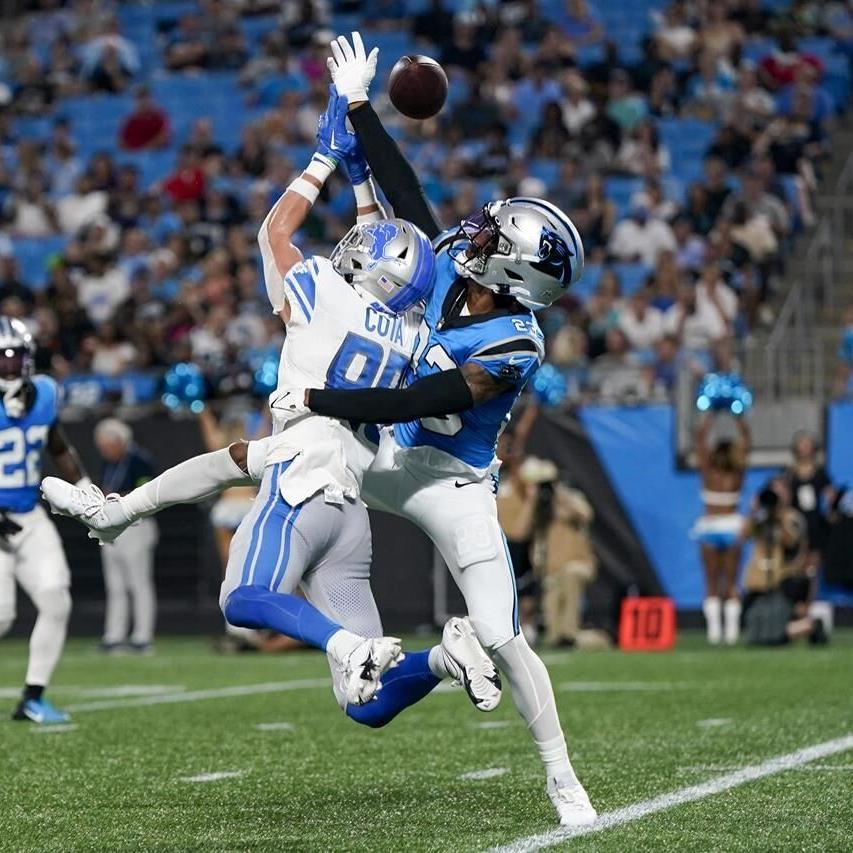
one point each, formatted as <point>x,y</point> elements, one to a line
<point>391,263</point>
<point>526,248</point>
<point>17,351</point>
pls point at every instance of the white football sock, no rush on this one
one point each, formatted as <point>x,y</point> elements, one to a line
<point>731,620</point>
<point>436,663</point>
<point>533,695</point>
<point>48,637</point>
<point>342,644</point>
<point>712,608</point>
<point>188,482</point>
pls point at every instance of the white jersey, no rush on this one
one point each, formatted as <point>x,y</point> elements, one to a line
<point>335,339</point>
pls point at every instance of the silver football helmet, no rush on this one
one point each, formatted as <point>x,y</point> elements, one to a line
<point>391,262</point>
<point>526,248</point>
<point>17,351</point>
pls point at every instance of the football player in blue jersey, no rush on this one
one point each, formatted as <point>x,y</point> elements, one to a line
<point>30,549</point>
<point>478,345</point>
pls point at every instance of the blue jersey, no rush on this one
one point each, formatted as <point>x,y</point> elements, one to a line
<point>22,442</point>
<point>508,345</point>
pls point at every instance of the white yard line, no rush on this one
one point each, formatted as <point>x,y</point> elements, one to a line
<point>201,695</point>
<point>274,727</point>
<point>493,724</point>
<point>488,773</point>
<point>54,729</point>
<point>714,722</point>
<point>213,777</point>
<point>637,811</point>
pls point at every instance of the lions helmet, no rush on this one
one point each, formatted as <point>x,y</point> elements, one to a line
<point>16,355</point>
<point>391,262</point>
<point>526,248</point>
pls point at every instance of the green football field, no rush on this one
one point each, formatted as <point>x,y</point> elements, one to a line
<point>187,750</point>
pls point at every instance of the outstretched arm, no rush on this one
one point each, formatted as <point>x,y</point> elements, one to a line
<point>445,393</point>
<point>352,71</point>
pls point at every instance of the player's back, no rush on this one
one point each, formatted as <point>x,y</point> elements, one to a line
<point>22,442</point>
<point>335,339</point>
<point>508,345</point>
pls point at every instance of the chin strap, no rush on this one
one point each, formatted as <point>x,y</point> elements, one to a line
<point>13,399</point>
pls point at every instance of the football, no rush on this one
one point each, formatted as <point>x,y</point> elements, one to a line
<point>417,86</point>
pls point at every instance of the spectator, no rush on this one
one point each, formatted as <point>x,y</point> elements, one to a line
<point>578,109</point>
<point>187,182</point>
<point>109,74</point>
<point>617,375</point>
<point>694,326</point>
<point>187,48</point>
<point>757,201</point>
<point>11,286</point>
<point>563,554</point>
<point>642,152</point>
<point>147,126</point>
<point>690,248</point>
<point>810,489</point>
<point>464,51</point>
<point>716,187</point>
<point>675,37</point>
<point>434,24</point>
<point>844,370</point>
<point>625,107</point>
<point>603,310</point>
<point>665,367</point>
<point>31,213</point>
<point>640,238</point>
<point>580,22</point>
<point>110,55</point>
<point>640,321</point>
<point>551,136</point>
<point>596,215</point>
<point>128,563</point>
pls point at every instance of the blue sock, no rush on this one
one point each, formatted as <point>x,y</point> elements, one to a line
<point>402,686</point>
<point>255,606</point>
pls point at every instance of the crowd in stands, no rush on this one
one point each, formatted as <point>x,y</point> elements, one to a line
<point>142,145</point>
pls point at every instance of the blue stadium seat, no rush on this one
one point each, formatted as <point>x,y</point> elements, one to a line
<point>153,166</point>
<point>33,255</point>
<point>631,276</point>
<point>620,189</point>
<point>588,283</point>
<point>546,170</point>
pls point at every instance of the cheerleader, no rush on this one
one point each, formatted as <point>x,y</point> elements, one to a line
<point>719,530</point>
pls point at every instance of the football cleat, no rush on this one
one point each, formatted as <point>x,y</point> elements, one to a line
<point>40,711</point>
<point>102,514</point>
<point>571,803</point>
<point>469,665</point>
<point>365,666</point>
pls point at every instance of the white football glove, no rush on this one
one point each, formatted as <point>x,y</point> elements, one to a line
<point>287,406</point>
<point>352,70</point>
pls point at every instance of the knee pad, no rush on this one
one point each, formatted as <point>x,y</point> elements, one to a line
<point>54,603</point>
<point>6,625</point>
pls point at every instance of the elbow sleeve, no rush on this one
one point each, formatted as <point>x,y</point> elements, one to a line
<point>445,393</point>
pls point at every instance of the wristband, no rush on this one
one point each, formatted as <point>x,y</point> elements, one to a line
<point>304,188</point>
<point>321,167</point>
<point>365,194</point>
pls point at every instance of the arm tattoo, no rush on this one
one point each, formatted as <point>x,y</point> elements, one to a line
<point>482,384</point>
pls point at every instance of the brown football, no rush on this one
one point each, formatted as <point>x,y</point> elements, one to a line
<point>417,86</point>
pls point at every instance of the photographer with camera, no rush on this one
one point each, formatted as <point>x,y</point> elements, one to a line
<point>778,583</point>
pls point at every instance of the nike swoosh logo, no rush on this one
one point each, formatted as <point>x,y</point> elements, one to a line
<point>462,485</point>
<point>516,359</point>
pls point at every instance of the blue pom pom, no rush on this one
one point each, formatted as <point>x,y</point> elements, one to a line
<point>265,377</point>
<point>549,386</point>
<point>723,392</point>
<point>184,386</point>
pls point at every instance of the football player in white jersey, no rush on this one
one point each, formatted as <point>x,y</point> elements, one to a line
<point>351,322</point>
<point>30,549</point>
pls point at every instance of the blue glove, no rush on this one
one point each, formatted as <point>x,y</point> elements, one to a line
<point>338,143</point>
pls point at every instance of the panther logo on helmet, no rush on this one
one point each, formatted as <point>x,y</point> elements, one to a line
<point>555,256</point>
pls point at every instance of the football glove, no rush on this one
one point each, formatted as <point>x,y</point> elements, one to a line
<point>339,144</point>
<point>352,70</point>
